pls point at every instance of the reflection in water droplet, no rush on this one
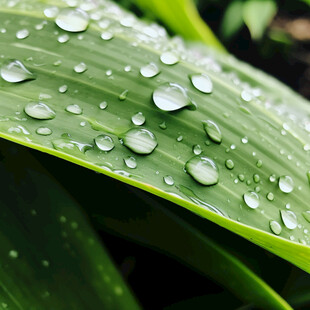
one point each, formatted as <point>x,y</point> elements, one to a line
<point>104,143</point>
<point>168,179</point>
<point>80,68</point>
<point>289,219</point>
<point>251,199</point>
<point>72,20</point>
<point>39,110</point>
<point>44,131</point>
<point>171,97</point>
<point>197,149</point>
<point>169,58</point>
<point>138,119</point>
<point>202,82</point>
<point>286,184</point>
<point>275,227</point>
<point>14,71</point>
<point>130,162</point>
<point>74,109</point>
<point>140,140</point>
<point>149,70</point>
<point>22,34</point>
<point>213,131</point>
<point>203,170</point>
<point>229,164</point>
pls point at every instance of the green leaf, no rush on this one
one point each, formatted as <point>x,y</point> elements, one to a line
<point>257,15</point>
<point>50,256</point>
<point>264,125</point>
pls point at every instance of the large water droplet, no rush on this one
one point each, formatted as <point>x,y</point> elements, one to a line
<point>202,82</point>
<point>74,109</point>
<point>213,131</point>
<point>22,34</point>
<point>80,68</point>
<point>203,170</point>
<point>171,97</point>
<point>72,20</point>
<point>168,179</point>
<point>130,162</point>
<point>140,140</point>
<point>44,131</point>
<point>39,110</point>
<point>275,227</point>
<point>14,71</point>
<point>251,199</point>
<point>138,119</point>
<point>289,219</point>
<point>149,70</point>
<point>169,58</point>
<point>104,143</point>
<point>286,184</point>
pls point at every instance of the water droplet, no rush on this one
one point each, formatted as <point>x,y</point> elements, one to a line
<point>203,170</point>
<point>140,140</point>
<point>169,58</point>
<point>246,96</point>
<point>289,219</point>
<point>80,68</point>
<point>197,149</point>
<point>168,179</point>
<point>259,163</point>
<point>202,82</point>
<point>251,199</point>
<point>244,140</point>
<point>107,35</point>
<point>138,119</point>
<point>272,178</point>
<point>13,254</point>
<point>275,227</point>
<point>180,138</point>
<point>51,12</point>
<point>63,38</point>
<point>130,162</point>
<point>39,110</point>
<point>286,184</point>
<point>44,131</point>
<point>213,131</point>
<point>74,109</point>
<point>270,196</point>
<point>149,70</point>
<point>241,177</point>
<point>57,63</point>
<point>306,215</point>
<point>45,263</point>
<point>70,146</point>
<point>104,143</point>
<point>72,20</point>
<point>127,68</point>
<point>229,164</point>
<point>22,34</point>
<point>83,124</point>
<point>63,88</point>
<point>123,95</point>
<point>256,178</point>
<point>14,71</point>
<point>171,97</point>
<point>163,125</point>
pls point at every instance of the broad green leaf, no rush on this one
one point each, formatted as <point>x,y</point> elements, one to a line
<point>50,256</point>
<point>257,15</point>
<point>183,18</point>
<point>255,147</point>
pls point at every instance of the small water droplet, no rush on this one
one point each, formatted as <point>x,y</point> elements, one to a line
<point>45,263</point>
<point>83,124</point>
<point>241,177</point>
<point>246,95</point>
<point>169,58</point>
<point>127,68</point>
<point>103,105</point>
<point>14,71</point>
<point>22,34</point>
<point>44,131</point>
<point>80,68</point>
<point>289,219</point>
<point>140,140</point>
<point>251,199</point>
<point>138,119</point>
<point>104,143</point>
<point>306,215</point>
<point>51,12</point>
<point>13,254</point>
<point>275,227</point>
<point>256,178</point>
<point>130,162</point>
<point>213,131</point>
<point>286,184</point>
<point>123,95</point>
<point>270,196</point>
<point>39,110</point>
<point>57,63</point>
<point>149,70</point>
<point>168,179</point>
<point>171,97</point>
<point>197,149</point>
<point>202,82</point>
<point>72,20</point>
<point>74,109</point>
<point>180,138</point>
<point>107,35</point>
<point>63,38</point>
<point>229,164</point>
<point>63,88</point>
<point>272,178</point>
<point>259,163</point>
<point>203,170</point>
<point>244,140</point>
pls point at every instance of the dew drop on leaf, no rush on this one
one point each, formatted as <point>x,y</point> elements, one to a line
<point>44,131</point>
<point>286,184</point>
<point>72,20</point>
<point>74,109</point>
<point>256,178</point>
<point>202,82</point>
<point>22,34</point>
<point>63,88</point>
<point>197,149</point>
<point>51,12</point>
<point>80,68</point>
<point>270,196</point>
<point>169,58</point>
<point>213,131</point>
<point>138,119</point>
<point>63,38</point>
<point>107,35</point>
<point>168,179</point>
<point>123,95</point>
<point>103,105</point>
<point>130,162</point>
<point>13,254</point>
<point>202,169</point>
<point>39,110</point>
<point>251,199</point>
<point>163,126</point>
<point>14,71</point>
<point>289,219</point>
<point>104,143</point>
<point>149,70</point>
<point>229,164</point>
<point>140,140</point>
<point>171,97</point>
<point>275,227</point>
